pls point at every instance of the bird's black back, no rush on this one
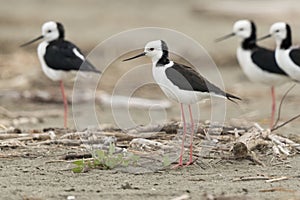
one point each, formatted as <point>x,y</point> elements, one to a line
<point>295,56</point>
<point>265,59</point>
<point>60,56</point>
<point>186,78</point>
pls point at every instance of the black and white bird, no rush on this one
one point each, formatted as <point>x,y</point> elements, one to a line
<point>180,83</point>
<point>58,57</point>
<point>287,56</point>
<point>257,63</point>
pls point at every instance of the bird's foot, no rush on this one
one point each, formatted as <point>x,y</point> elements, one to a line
<point>177,166</point>
<point>191,161</point>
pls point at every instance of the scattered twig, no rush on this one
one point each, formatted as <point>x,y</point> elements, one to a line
<point>276,179</point>
<point>285,123</point>
<point>76,156</point>
<point>280,163</point>
<point>182,197</point>
<point>54,161</point>
<point>66,142</point>
<point>232,144</point>
<point>254,159</point>
<point>281,102</point>
<point>25,136</point>
<point>280,189</point>
<point>251,178</point>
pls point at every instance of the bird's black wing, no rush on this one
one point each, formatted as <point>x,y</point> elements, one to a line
<point>186,78</point>
<point>60,55</point>
<point>295,56</point>
<point>265,59</point>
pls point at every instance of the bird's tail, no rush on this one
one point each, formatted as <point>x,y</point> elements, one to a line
<point>87,66</point>
<point>232,98</point>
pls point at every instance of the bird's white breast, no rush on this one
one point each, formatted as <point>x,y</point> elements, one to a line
<point>256,74</point>
<point>172,91</point>
<point>286,64</point>
<point>55,75</point>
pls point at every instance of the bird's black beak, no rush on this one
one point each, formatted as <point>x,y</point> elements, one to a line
<point>264,37</point>
<point>134,57</point>
<point>32,41</point>
<point>225,37</point>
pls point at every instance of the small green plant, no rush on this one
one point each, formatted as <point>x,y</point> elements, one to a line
<point>105,160</point>
<point>166,161</point>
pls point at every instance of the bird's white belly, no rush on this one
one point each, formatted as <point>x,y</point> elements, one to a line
<point>286,64</point>
<point>174,92</point>
<point>55,75</point>
<point>254,73</point>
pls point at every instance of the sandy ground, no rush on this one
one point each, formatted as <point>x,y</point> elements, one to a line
<point>34,178</point>
<point>88,23</point>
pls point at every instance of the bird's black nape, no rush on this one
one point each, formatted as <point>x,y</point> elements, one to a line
<point>165,49</point>
<point>287,42</point>
<point>250,42</point>
<point>165,57</point>
<point>164,46</point>
<point>61,30</point>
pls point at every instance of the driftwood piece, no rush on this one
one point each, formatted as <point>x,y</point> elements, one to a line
<point>182,197</point>
<point>145,144</point>
<point>248,142</point>
<point>279,189</point>
<point>282,141</point>
<point>25,136</point>
<point>119,135</point>
<point>76,156</point>
<point>11,143</point>
<point>66,142</point>
<point>276,179</point>
<point>240,142</point>
<point>251,178</point>
<point>170,128</point>
<point>10,155</point>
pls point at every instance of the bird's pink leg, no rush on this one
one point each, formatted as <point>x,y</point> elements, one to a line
<point>192,135</point>
<point>183,138</point>
<point>65,104</point>
<point>273,107</point>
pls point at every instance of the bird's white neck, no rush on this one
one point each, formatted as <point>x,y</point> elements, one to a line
<point>278,43</point>
<point>171,63</point>
<point>156,57</point>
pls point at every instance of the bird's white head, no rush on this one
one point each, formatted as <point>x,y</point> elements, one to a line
<point>282,33</point>
<point>155,50</point>
<point>279,31</point>
<point>52,31</point>
<point>243,28</point>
